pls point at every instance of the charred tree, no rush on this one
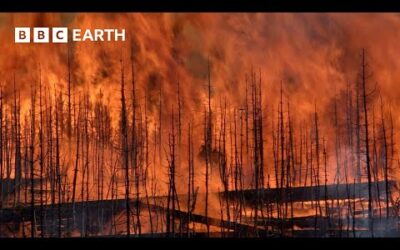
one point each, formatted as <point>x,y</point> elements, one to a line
<point>366,138</point>
<point>32,160</point>
<point>125,150</point>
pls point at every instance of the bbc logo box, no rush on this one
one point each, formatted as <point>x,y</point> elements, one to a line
<point>41,35</point>
<point>60,35</point>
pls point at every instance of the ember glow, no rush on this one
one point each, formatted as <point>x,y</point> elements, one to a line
<point>210,125</point>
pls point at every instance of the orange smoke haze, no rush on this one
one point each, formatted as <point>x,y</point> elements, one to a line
<point>315,56</point>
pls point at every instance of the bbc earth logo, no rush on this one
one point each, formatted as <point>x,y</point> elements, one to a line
<point>62,35</point>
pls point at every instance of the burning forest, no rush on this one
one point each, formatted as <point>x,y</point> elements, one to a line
<point>202,125</point>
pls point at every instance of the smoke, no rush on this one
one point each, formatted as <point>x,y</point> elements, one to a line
<point>315,56</point>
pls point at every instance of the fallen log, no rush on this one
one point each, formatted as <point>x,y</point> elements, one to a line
<point>308,193</point>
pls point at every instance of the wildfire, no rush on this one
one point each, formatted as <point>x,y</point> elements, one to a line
<point>194,107</point>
